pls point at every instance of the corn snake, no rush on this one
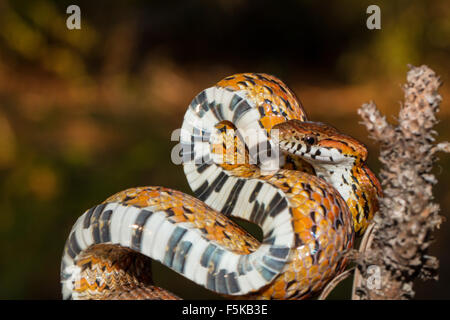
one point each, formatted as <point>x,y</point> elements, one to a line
<point>308,221</point>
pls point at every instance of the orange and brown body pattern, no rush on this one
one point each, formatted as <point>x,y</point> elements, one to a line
<point>307,226</point>
<point>110,272</point>
<point>276,103</point>
<point>323,233</point>
<point>363,203</point>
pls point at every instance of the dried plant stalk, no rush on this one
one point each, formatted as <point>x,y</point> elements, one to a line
<point>404,226</point>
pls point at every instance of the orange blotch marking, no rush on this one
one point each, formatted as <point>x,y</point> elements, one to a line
<point>326,203</point>
<point>324,265</point>
<point>269,121</point>
<point>302,223</point>
<point>289,276</point>
<point>307,262</point>
<point>317,197</point>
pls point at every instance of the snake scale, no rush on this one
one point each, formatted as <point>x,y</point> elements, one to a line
<point>310,200</point>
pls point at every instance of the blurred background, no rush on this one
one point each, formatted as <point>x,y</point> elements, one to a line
<point>87,113</point>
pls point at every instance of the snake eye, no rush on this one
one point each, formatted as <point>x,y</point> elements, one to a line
<point>310,140</point>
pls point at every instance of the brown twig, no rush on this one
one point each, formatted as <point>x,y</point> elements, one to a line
<point>333,283</point>
<point>363,247</point>
<point>395,254</point>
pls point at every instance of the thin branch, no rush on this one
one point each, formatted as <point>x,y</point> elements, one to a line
<point>333,283</point>
<point>363,247</point>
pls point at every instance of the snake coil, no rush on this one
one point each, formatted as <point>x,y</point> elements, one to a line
<point>306,223</point>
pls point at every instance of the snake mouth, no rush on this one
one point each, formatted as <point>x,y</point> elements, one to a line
<point>317,143</point>
<point>311,154</point>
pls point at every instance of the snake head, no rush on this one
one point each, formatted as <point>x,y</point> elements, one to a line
<point>338,159</point>
<point>318,143</point>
